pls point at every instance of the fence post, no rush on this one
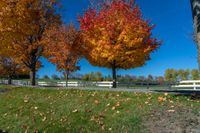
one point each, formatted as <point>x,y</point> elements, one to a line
<point>194,85</point>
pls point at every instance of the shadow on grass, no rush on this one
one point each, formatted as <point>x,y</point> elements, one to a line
<point>192,94</point>
<point>3,91</point>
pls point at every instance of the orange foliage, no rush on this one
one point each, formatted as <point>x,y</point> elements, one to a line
<point>62,44</point>
<point>23,23</point>
<point>116,34</point>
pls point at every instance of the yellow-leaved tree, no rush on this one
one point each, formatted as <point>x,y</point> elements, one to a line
<point>23,23</point>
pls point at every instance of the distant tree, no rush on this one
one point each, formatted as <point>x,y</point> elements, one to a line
<point>86,77</point>
<point>99,76</point>
<point>160,79</point>
<point>183,74</point>
<point>133,78</point>
<point>171,75</point>
<point>141,78</point>
<point>150,77</point>
<point>195,74</point>
<point>119,77</point>
<point>126,78</point>
<point>10,68</point>
<point>108,78</point>
<point>93,76</point>
<point>46,77</point>
<point>55,77</point>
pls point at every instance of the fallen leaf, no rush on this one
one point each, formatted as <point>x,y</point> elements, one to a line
<point>161,99</point>
<point>88,110</point>
<point>117,105</point>
<point>44,119</point>
<point>171,111</point>
<point>74,111</point>
<point>96,102</point>
<point>166,94</point>
<point>113,108</point>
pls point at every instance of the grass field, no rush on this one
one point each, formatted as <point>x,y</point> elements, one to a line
<point>57,111</point>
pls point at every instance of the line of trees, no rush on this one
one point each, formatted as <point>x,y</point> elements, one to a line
<point>113,35</point>
<point>98,76</point>
<point>181,74</point>
<point>171,75</point>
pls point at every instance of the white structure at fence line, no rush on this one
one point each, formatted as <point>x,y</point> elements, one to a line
<point>69,84</point>
<point>188,84</point>
<point>42,83</point>
<point>104,84</point>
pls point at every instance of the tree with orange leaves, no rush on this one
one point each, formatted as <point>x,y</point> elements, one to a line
<point>116,36</point>
<point>23,23</point>
<point>62,48</point>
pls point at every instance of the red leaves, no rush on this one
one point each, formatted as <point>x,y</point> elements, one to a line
<point>117,31</point>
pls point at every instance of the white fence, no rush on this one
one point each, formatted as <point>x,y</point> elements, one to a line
<point>61,83</point>
<point>102,84</point>
<point>188,84</point>
<point>16,82</point>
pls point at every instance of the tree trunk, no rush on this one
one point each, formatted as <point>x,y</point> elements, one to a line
<point>198,54</point>
<point>195,4</point>
<point>67,77</point>
<point>32,76</point>
<point>114,75</point>
<point>9,80</point>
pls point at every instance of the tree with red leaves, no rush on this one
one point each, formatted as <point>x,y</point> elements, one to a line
<point>116,36</point>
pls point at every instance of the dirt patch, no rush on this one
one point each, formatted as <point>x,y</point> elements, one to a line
<point>182,120</point>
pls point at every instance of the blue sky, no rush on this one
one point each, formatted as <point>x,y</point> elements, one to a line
<point>174,27</point>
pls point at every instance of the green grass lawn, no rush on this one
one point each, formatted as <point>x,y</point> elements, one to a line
<point>43,110</point>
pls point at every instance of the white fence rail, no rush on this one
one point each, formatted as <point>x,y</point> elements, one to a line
<point>61,83</point>
<point>188,84</point>
<point>102,84</point>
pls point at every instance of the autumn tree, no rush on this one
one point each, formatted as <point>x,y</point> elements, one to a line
<point>62,48</point>
<point>150,77</point>
<point>183,74</point>
<point>55,77</point>
<point>10,68</point>
<point>99,76</point>
<point>171,75</point>
<point>86,77</point>
<point>46,77</point>
<point>160,79</point>
<point>22,28</point>
<point>116,36</point>
<point>195,74</point>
